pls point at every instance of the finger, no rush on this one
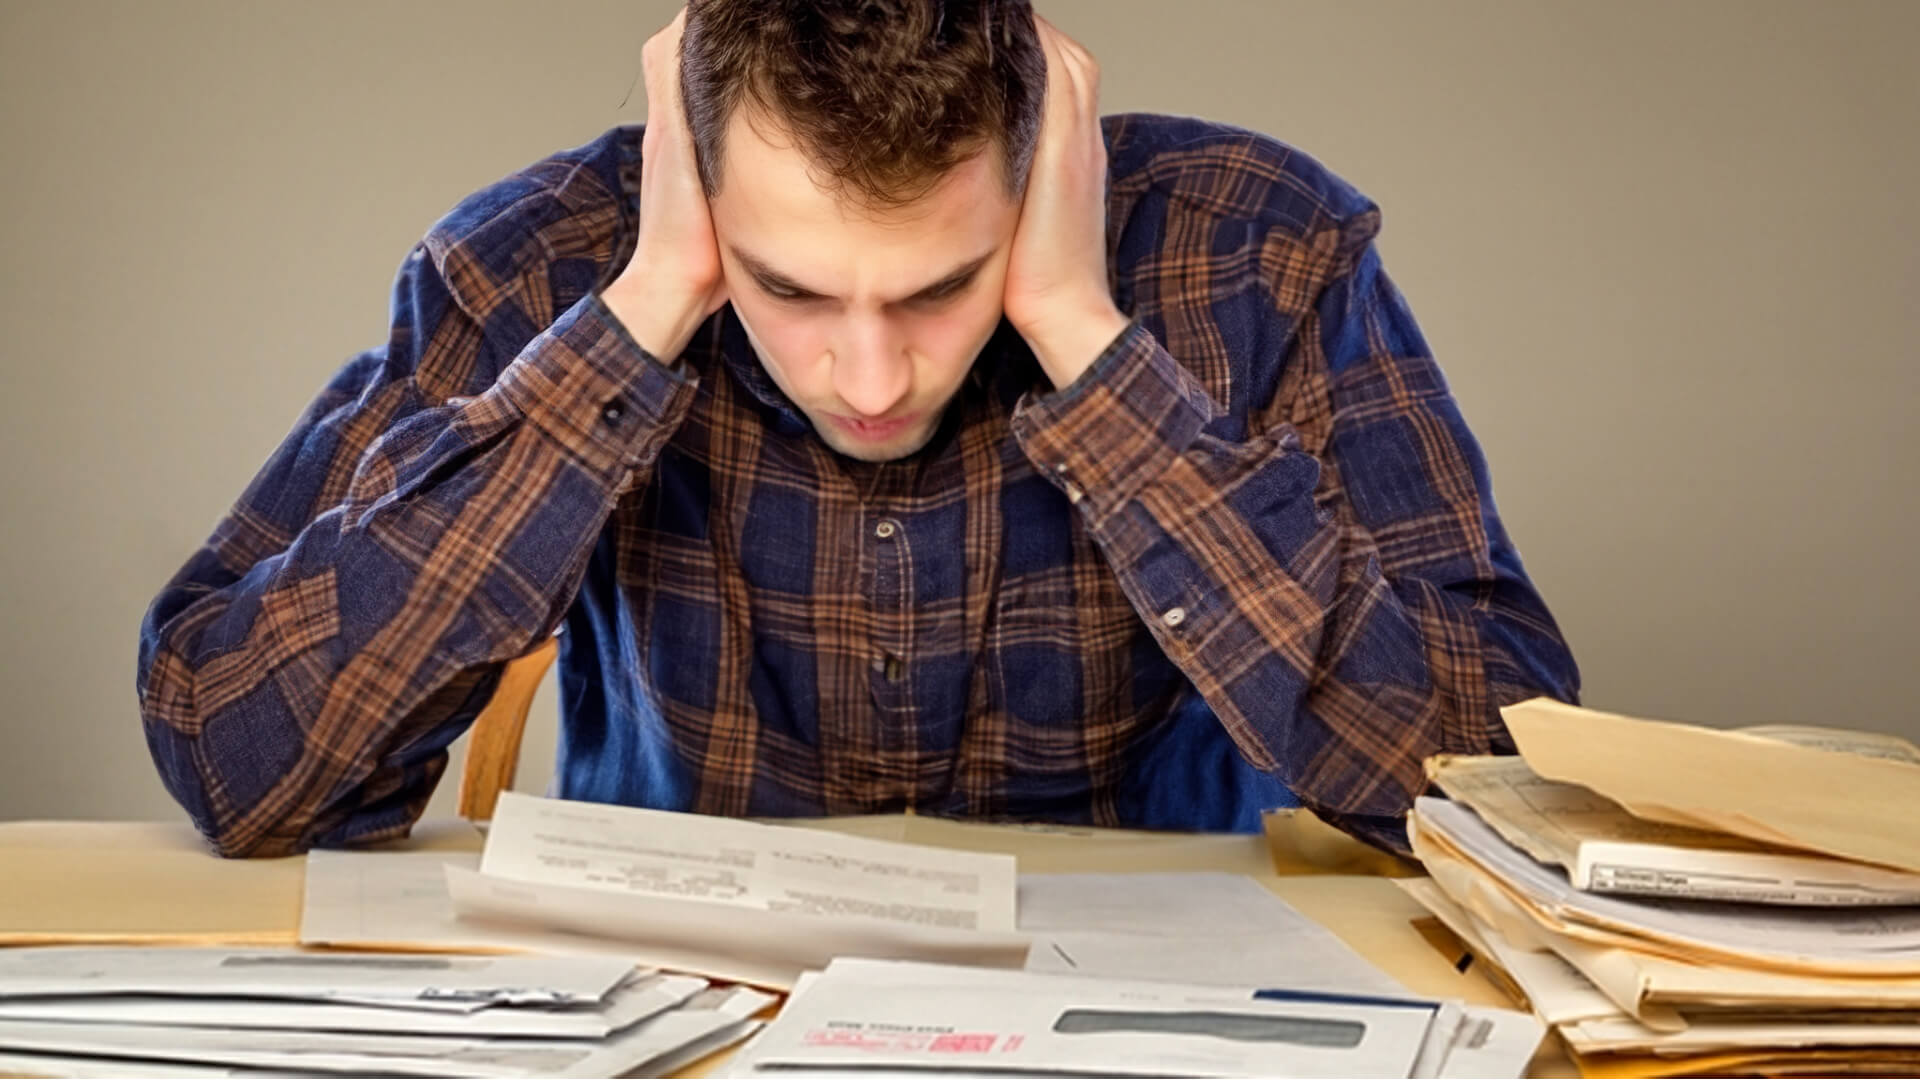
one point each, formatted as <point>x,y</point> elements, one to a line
<point>1050,38</point>
<point>1075,52</point>
<point>662,62</point>
<point>661,56</point>
<point>1069,66</point>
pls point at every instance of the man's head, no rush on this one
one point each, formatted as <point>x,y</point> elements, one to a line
<point>864,161</point>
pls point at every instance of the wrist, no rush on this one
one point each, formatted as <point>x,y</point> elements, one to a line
<point>656,320</point>
<point>1068,344</point>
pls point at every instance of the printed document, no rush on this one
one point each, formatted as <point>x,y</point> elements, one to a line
<point>735,899</point>
<point>1605,849</point>
<point>1861,941</point>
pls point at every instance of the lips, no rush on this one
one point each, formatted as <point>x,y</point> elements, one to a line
<point>875,430</point>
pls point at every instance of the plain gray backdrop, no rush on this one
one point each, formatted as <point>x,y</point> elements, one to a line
<point>1667,254</point>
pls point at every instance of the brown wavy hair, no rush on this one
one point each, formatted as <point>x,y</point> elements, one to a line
<point>883,96</point>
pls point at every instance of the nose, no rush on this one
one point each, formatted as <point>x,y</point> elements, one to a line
<point>871,370</point>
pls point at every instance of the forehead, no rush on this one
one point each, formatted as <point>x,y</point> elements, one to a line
<point>770,192</point>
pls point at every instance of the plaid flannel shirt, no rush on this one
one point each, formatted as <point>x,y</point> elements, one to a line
<point>1250,557</point>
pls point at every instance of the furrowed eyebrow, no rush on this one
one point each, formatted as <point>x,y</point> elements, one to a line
<point>959,277</point>
<point>770,278</point>
<point>775,281</point>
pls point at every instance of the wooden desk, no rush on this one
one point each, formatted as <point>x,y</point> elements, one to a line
<point>114,881</point>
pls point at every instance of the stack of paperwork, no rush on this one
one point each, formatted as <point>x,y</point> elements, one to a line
<point>93,1010</point>
<point>1678,899</point>
<point>912,1019</point>
<point>776,905</point>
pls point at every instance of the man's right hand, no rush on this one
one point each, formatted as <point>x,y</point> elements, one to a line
<point>674,281</point>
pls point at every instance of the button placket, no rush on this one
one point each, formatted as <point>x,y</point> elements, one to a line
<point>890,593</point>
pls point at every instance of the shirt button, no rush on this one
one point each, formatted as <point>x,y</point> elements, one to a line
<point>885,530</point>
<point>613,411</point>
<point>1174,616</point>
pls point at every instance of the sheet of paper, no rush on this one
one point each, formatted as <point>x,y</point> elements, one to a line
<point>1624,1036</point>
<point>722,941</point>
<point>1605,849</point>
<point>733,899</point>
<point>290,973</point>
<point>1865,743</point>
<point>1207,928</point>
<point>711,1021</point>
<point>1803,1062</point>
<point>1675,983</point>
<point>1555,990</point>
<point>772,868</point>
<point>1651,987</point>
<point>84,1067</point>
<point>1855,805</point>
<point>1852,940</point>
<point>399,900</point>
<point>374,1054</point>
<point>631,1002</point>
<point>1493,1042</point>
<point>632,1049</point>
<point>859,1014</point>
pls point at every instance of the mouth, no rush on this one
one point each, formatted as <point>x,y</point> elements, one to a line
<point>874,430</point>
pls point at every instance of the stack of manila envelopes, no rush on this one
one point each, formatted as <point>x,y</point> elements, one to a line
<point>1635,882</point>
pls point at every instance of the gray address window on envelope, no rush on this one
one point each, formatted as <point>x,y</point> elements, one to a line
<point>1243,1027</point>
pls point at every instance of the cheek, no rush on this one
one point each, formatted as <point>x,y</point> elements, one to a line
<point>952,338</point>
<point>792,343</point>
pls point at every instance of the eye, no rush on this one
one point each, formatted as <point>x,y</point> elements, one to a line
<point>782,293</point>
<point>945,291</point>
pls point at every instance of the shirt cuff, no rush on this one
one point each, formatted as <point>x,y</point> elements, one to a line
<point>595,390</point>
<point>1117,427</point>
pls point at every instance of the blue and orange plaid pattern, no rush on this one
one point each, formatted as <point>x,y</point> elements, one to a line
<point>1251,557</point>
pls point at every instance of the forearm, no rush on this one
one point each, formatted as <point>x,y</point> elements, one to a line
<point>274,686</point>
<point>1326,674</point>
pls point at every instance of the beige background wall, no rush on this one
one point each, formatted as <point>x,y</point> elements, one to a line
<point>1668,253</point>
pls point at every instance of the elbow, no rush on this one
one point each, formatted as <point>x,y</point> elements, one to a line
<point>205,762</point>
<point>229,845</point>
<point>186,776</point>
<point>174,731</point>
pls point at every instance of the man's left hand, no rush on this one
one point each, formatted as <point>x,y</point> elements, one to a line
<point>1056,291</point>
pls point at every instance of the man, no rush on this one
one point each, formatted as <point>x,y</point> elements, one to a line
<point>880,428</point>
